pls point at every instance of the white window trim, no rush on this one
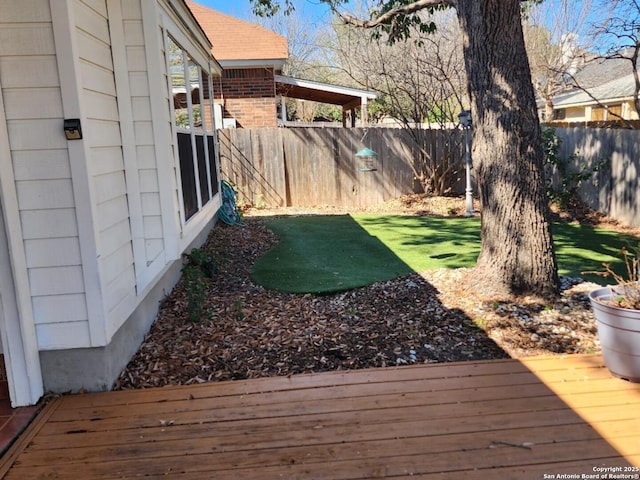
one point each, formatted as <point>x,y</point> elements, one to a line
<point>192,227</point>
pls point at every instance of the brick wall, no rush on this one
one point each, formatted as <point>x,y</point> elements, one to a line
<point>249,96</point>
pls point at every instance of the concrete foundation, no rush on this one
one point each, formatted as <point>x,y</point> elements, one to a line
<point>96,369</point>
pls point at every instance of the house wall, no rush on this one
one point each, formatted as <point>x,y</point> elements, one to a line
<point>106,163</point>
<point>30,86</point>
<point>575,114</point>
<point>249,96</point>
<point>588,113</point>
<point>100,224</point>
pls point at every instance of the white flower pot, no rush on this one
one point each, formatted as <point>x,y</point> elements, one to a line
<point>619,333</point>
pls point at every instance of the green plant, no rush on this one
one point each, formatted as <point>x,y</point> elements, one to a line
<point>259,202</point>
<point>195,275</point>
<point>569,171</point>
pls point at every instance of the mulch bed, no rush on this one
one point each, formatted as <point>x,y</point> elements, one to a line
<point>437,316</point>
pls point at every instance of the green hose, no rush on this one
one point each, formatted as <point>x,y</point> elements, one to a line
<point>228,211</point>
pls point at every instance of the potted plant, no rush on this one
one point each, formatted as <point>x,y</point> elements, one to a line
<point>617,312</point>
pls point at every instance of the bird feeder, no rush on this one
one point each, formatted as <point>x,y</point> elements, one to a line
<point>367,160</point>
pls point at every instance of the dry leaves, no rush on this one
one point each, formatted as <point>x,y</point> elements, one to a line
<point>249,332</point>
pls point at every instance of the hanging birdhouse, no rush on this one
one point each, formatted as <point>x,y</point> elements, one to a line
<point>367,159</point>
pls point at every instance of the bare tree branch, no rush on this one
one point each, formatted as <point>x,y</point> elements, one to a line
<point>387,17</point>
<point>577,85</point>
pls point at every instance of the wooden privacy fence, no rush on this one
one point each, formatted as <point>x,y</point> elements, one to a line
<point>613,190</point>
<point>318,166</point>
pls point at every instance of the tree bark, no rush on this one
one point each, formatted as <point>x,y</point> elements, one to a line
<point>517,254</point>
<point>548,108</point>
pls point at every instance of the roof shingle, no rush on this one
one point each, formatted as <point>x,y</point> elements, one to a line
<point>235,39</point>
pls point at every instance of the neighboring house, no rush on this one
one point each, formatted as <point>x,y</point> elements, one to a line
<point>610,101</point>
<point>606,93</point>
<point>249,92</point>
<point>250,56</point>
<point>108,174</point>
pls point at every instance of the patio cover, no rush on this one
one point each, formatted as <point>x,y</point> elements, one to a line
<point>348,98</point>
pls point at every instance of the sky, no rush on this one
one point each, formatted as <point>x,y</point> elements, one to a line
<point>314,10</point>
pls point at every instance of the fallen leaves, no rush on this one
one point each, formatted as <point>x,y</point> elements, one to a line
<point>248,332</point>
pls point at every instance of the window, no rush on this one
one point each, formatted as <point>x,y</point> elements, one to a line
<point>614,112</point>
<point>193,121</point>
<point>598,114</point>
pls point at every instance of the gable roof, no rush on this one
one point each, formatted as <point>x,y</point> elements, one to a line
<point>615,90</point>
<point>236,43</point>
<point>598,71</point>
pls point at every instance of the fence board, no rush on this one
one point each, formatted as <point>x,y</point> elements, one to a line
<point>317,166</point>
<point>613,190</point>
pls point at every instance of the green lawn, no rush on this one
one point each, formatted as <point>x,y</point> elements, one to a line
<point>323,254</point>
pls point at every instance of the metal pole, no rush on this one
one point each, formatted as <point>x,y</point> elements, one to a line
<point>469,210</point>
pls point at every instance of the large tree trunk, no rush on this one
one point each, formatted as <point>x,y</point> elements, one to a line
<point>517,253</point>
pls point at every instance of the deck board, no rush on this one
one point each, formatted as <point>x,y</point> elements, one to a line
<point>492,419</point>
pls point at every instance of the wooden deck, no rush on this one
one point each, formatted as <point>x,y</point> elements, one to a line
<point>478,420</point>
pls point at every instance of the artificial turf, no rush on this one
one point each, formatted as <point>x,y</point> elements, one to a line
<point>325,254</point>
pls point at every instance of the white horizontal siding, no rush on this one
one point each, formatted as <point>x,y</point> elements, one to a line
<point>106,161</point>
<point>26,39</point>
<point>149,181</point>
<point>101,104</point>
<point>131,10</point>
<point>56,280</point>
<point>45,194</point>
<point>93,50</point>
<point>110,213</point>
<point>154,248</point>
<point>117,263</point>
<point>146,155</point>
<point>52,336</point>
<point>30,11</point>
<point>33,103</point>
<point>147,173</point>
<point>115,238</point>
<point>39,252</point>
<point>60,308</point>
<point>143,133</point>
<point>136,58</point>
<point>152,227</point>
<point>36,134</point>
<point>24,72</point>
<point>39,165</point>
<point>121,289</point>
<point>97,5</point>
<point>151,204</point>
<point>139,84</point>
<point>97,78</point>
<point>110,186</point>
<point>141,109</point>
<point>92,20</point>
<point>49,223</point>
<point>103,133</point>
<point>133,32</point>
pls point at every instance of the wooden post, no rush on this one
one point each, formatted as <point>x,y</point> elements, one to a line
<point>364,112</point>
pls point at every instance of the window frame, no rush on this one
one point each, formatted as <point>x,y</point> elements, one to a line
<point>206,132</point>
